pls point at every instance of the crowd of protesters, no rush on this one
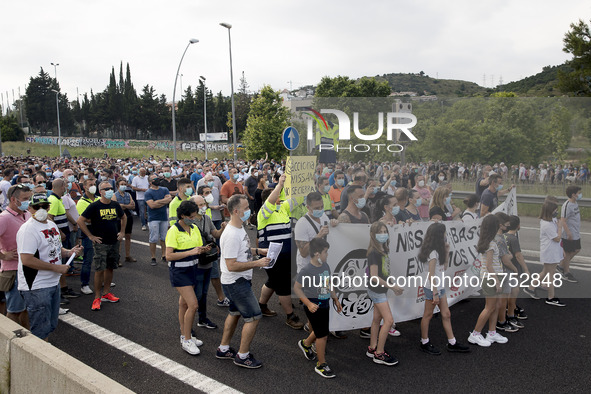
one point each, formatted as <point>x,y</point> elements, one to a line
<point>55,210</point>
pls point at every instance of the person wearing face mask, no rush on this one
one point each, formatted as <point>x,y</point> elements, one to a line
<point>211,194</point>
<point>74,189</point>
<point>5,185</point>
<point>439,210</point>
<point>11,220</point>
<point>386,210</point>
<point>184,243</point>
<point>140,185</point>
<point>274,225</point>
<point>40,267</point>
<point>88,198</point>
<point>262,183</point>
<point>209,234</point>
<point>356,202</point>
<point>437,180</point>
<point>323,188</point>
<point>379,270</point>
<point>107,228</point>
<point>157,198</point>
<point>337,189</point>
<point>489,199</point>
<point>402,195</point>
<point>185,191</point>
<point>250,187</point>
<point>570,220</point>
<point>414,201</point>
<point>472,208</point>
<point>236,264</point>
<point>230,188</point>
<point>425,195</point>
<point>167,181</point>
<point>124,199</point>
<point>359,179</point>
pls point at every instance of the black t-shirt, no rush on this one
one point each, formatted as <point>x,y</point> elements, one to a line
<point>383,263</point>
<point>105,220</point>
<point>480,189</point>
<point>258,199</point>
<point>169,184</point>
<point>402,216</point>
<point>441,212</point>
<point>489,199</point>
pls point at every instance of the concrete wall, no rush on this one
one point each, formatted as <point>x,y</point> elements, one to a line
<point>31,365</point>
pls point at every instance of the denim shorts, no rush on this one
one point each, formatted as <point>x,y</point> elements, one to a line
<point>43,306</point>
<point>377,298</point>
<point>158,229</point>
<point>15,303</point>
<point>215,269</point>
<point>242,300</point>
<point>429,293</point>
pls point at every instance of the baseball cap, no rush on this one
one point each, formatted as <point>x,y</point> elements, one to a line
<point>39,198</point>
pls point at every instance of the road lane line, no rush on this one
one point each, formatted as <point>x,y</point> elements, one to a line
<point>538,229</point>
<point>164,364</point>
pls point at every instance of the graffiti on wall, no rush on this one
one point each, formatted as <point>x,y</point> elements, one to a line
<point>125,144</point>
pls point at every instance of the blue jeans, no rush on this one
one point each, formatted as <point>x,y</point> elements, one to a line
<point>242,300</point>
<point>86,261</point>
<point>142,209</point>
<point>201,288</point>
<point>43,306</point>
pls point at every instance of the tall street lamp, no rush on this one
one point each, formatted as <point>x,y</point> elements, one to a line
<point>55,69</point>
<point>191,41</point>
<point>59,130</point>
<point>229,26</point>
<point>202,80</point>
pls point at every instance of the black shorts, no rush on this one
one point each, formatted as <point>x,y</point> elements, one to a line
<point>571,245</point>
<point>319,321</point>
<point>279,277</point>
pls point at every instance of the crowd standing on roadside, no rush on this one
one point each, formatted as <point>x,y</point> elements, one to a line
<point>199,212</point>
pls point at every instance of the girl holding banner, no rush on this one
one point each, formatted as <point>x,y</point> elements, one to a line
<point>435,252</point>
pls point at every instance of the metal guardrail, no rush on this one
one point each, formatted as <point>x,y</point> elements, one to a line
<point>527,198</point>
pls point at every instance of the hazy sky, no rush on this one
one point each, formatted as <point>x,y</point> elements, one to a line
<point>275,42</point>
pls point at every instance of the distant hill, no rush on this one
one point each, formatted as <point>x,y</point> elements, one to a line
<point>423,84</point>
<point>541,84</point>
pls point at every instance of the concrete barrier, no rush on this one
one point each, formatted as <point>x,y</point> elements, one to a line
<point>31,365</point>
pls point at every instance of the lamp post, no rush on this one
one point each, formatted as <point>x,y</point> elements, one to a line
<point>59,130</point>
<point>229,26</point>
<point>202,80</point>
<point>191,41</point>
<point>55,69</point>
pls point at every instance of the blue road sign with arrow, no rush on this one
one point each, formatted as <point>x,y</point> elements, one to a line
<point>290,138</point>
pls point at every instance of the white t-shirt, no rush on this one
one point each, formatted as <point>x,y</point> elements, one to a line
<point>4,186</point>
<point>70,206</point>
<point>550,251</point>
<point>497,265</point>
<point>234,244</point>
<point>468,216</point>
<point>305,232</point>
<point>140,183</point>
<point>42,240</point>
<point>439,270</point>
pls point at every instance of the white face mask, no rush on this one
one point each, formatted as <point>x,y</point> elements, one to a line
<point>421,183</point>
<point>41,215</point>
<point>202,211</point>
<point>209,198</point>
<point>92,190</point>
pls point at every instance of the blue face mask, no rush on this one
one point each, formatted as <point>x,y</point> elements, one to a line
<point>448,200</point>
<point>340,182</point>
<point>71,178</point>
<point>246,215</point>
<point>43,185</point>
<point>69,186</point>
<point>579,196</point>
<point>317,213</point>
<point>189,192</point>
<point>24,205</point>
<point>499,187</point>
<point>236,176</point>
<point>393,183</point>
<point>382,238</point>
<point>85,177</point>
<point>375,190</point>
<point>49,173</point>
<point>326,188</point>
<point>419,202</point>
<point>109,194</point>
<point>395,210</point>
<point>134,172</point>
<point>210,184</point>
<point>199,170</point>
<point>360,203</point>
<point>122,188</point>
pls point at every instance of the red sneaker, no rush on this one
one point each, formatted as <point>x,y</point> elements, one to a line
<point>109,297</point>
<point>96,304</point>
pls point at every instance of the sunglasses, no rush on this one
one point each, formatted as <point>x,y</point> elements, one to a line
<point>107,188</point>
<point>41,206</point>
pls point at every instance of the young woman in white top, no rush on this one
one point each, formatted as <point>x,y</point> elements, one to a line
<point>491,283</point>
<point>472,207</point>
<point>551,253</point>
<point>435,252</point>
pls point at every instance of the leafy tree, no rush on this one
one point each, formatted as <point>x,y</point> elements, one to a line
<point>266,121</point>
<point>560,134</point>
<point>577,42</point>
<point>10,129</point>
<point>341,86</point>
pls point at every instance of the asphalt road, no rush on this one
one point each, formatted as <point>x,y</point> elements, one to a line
<point>553,352</point>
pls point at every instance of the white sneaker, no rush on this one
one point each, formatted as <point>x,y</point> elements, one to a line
<point>478,340</point>
<point>144,228</point>
<point>190,347</point>
<point>496,337</point>
<point>197,342</point>
<point>63,311</point>
<point>394,332</point>
<point>86,290</point>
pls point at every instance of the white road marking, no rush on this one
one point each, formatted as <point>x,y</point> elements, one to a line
<point>572,266</point>
<point>153,359</point>
<point>538,229</point>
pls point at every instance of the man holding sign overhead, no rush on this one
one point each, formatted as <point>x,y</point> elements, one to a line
<point>274,227</point>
